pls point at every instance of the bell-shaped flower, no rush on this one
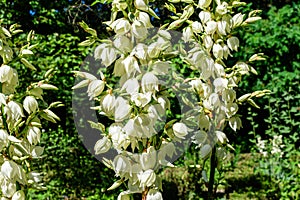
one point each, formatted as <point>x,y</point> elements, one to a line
<point>204,3</point>
<point>197,85</point>
<point>140,99</point>
<point>141,4</point>
<point>8,188</point>
<point>212,102</point>
<point>237,20</point>
<point>130,64</point>
<point>211,27</point>
<point>144,17</point>
<point>119,69</point>
<point>123,44</point>
<point>16,110</point>
<point>205,151</point>
<point>95,88</point>
<point>200,137</point>
<point>154,195</point>
<point>140,51</point>
<point>6,73</point>
<point>121,165</point>
<point>222,27</point>
<point>197,27</point>
<point>19,195</point>
<point>161,68</point>
<point>208,42</point>
<point>108,104</point>
<point>233,43</point>
<point>218,51</point>
<point>118,137</point>
<point>187,34</point>
<point>226,51</point>
<point>219,70</point>
<point>220,84</point>
<point>205,16</point>
<point>221,9</point>
<point>221,137</point>
<point>3,138</point>
<point>122,109</point>
<point>147,178</point>
<point>203,122</point>
<point>139,29</point>
<point>149,83</point>
<point>102,145</point>
<point>121,26</point>
<point>9,169</point>
<point>148,159</point>
<point>131,86</point>
<point>124,196</point>
<point>106,53</point>
<point>229,95</point>
<point>33,135</point>
<point>30,104</point>
<point>180,130</point>
<point>235,123</point>
<point>231,109</point>
<point>207,67</point>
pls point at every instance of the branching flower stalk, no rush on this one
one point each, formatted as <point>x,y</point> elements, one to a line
<point>20,118</point>
<point>137,105</point>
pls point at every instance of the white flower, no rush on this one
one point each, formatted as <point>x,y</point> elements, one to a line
<point>140,51</point>
<point>8,188</point>
<point>148,159</point>
<point>33,135</point>
<point>30,104</point>
<point>144,17</point>
<point>154,195</point>
<point>218,51</point>
<point>222,8</point>
<point>9,169</point>
<point>149,83</point>
<point>131,86</point>
<point>108,104</point>
<point>220,84</point>
<point>235,123</point>
<point>95,88</point>
<point>204,3</point>
<point>124,196</point>
<point>121,26</point>
<point>147,178</point>
<point>140,99</point>
<point>19,195</point>
<point>180,130</point>
<point>222,138</point>
<point>233,43</point>
<point>123,43</point>
<point>187,34</point>
<point>3,138</point>
<point>130,64</point>
<point>16,110</point>
<point>222,27</point>
<point>121,165</point>
<point>102,145</point>
<point>139,29</point>
<point>205,16</point>
<point>6,73</point>
<point>118,137</point>
<point>211,27</point>
<point>205,151</point>
<point>106,53</point>
<point>122,109</point>
<point>141,4</point>
<point>197,27</point>
<point>208,42</point>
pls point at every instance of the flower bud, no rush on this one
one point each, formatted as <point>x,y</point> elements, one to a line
<point>180,130</point>
<point>30,104</point>
<point>102,145</point>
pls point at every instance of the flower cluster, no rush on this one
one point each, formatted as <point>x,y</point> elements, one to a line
<point>139,57</point>
<point>20,124</point>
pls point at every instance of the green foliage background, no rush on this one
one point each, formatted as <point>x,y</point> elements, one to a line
<point>74,173</point>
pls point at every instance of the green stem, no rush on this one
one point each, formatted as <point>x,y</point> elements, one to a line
<point>212,174</point>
